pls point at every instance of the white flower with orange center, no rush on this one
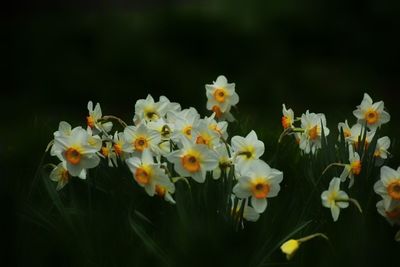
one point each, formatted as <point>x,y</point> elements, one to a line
<point>118,144</point>
<point>139,138</point>
<point>310,139</point>
<point>357,133</point>
<point>371,114</point>
<point>221,96</point>
<point>334,198</point>
<point>392,213</point>
<point>79,150</point>
<point>94,119</point>
<point>247,149</point>
<point>165,131</point>
<point>183,123</point>
<point>165,191</point>
<point>218,127</point>
<point>388,187</point>
<point>147,173</point>
<point>382,146</point>
<point>259,181</point>
<point>203,134</point>
<point>61,175</point>
<point>287,118</point>
<point>344,126</point>
<point>353,168</point>
<point>224,161</point>
<point>193,160</point>
<point>149,110</point>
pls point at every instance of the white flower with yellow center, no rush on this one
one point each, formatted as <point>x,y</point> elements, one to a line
<point>247,149</point>
<point>94,119</point>
<point>352,168</point>
<point>371,113</point>
<point>193,160</point>
<point>61,175</point>
<point>219,127</point>
<point>388,187</point>
<point>391,214</point>
<point>287,118</point>
<point>139,138</point>
<point>147,173</point>
<point>165,131</point>
<point>203,134</point>
<point>183,123</point>
<point>148,110</point>
<point>357,132</point>
<point>107,151</point>
<point>221,96</point>
<point>334,198</point>
<point>382,146</point>
<point>310,139</point>
<point>165,191</point>
<point>79,150</point>
<point>344,126</point>
<point>259,182</point>
<point>118,144</point>
<point>224,161</point>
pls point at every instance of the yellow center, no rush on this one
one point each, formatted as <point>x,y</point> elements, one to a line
<point>248,152</point>
<point>118,149</point>
<point>313,132</point>
<point>160,190</point>
<point>140,143</point>
<point>151,114</point>
<point>73,156</point>
<point>356,167</point>
<point>286,122</point>
<point>260,188</point>
<point>165,131</point>
<point>187,131</point>
<point>393,189</point>
<point>143,175</point>
<point>220,95</point>
<point>105,151</point>
<point>346,133</point>
<point>371,116</point>
<point>191,162</point>
<point>217,110</point>
<point>90,121</point>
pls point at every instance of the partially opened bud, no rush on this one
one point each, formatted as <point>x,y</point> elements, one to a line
<point>290,247</point>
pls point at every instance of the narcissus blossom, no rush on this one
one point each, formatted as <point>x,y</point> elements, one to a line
<point>287,118</point>
<point>149,110</point>
<point>221,96</point>
<point>391,214</point>
<point>94,119</point>
<point>247,149</point>
<point>183,122</point>
<point>357,133</point>
<point>61,175</point>
<point>224,161</point>
<point>371,114</point>
<point>139,138</point>
<point>312,124</point>
<point>149,174</point>
<point>344,126</point>
<point>382,146</point>
<point>334,198</point>
<point>193,160</point>
<point>78,150</point>
<point>352,168</point>
<point>259,181</point>
<point>388,187</point>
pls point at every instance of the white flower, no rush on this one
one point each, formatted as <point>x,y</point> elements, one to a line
<point>388,187</point>
<point>353,168</point>
<point>165,131</point>
<point>335,199</point>
<point>247,149</point>
<point>287,118</point>
<point>64,129</point>
<point>224,161</point>
<point>148,110</point>
<point>391,214</point>
<point>219,127</point>
<point>183,123</point>
<point>203,134</point>
<point>346,129</point>
<point>371,113</point>
<point>108,152</point>
<point>138,138</point>
<point>221,96</point>
<point>60,175</point>
<point>249,214</point>
<point>165,192</point>
<point>193,160</point>
<point>147,173</point>
<point>310,139</point>
<point>382,147</point>
<point>357,131</point>
<point>93,120</point>
<point>79,150</point>
<point>259,182</point>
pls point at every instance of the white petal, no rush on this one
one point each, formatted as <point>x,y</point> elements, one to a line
<point>259,204</point>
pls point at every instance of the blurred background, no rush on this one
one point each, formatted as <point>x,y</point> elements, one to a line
<point>56,56</point>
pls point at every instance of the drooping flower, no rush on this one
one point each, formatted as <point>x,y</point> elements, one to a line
<point>352,168</point>
<point>193,160</point>
<point>312,124</point>
<point>391,214</point>
<point>94,119</point>
<point>372,114</point>
<point>139,138</point>
<point>290,247</point>
<point>382,146</point>
<point>287,118</point>
<point>147,173</point>
<point>221,96</point>
<point>344,126</point>
<point>334,198</point>
<point>247,149</point>
<point>259,181</point>
<point>165,191</point>
<point>61,175</point>
<point>388,186</point>
<point>78,150</point>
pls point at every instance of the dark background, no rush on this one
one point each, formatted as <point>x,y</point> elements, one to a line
<point>317,55</point>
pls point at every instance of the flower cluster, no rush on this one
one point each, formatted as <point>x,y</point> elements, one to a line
<point>167,143</point>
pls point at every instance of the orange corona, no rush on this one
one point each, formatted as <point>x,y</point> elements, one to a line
<point>191,163</point>
<point>260,189</point>
<point>393,189</point>
<point>73,156</point>
<point>371,116</point>
<point>140,144</point>
<point>220,95</point>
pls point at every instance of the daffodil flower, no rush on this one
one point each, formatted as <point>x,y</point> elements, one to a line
<point>94,119</point>
<point>259,181</point>
<point>61,175</point>
<point>382,146</point>
<point>392,213</point>
<point>335,199</point>
<point>371,114</point>
<point>203,134</point>
<point>310,139</point>
<point>193,160</point>
<point>352,168</point>
<point>357,131</point>
<point>149,174</point>
<point>290,247</point>
<point>183,122</point>
<point>139,138</point>
<point>224,161</point>
<point>388,187</point>
<point>287,118</point>
<point>344,126</point>
<point>64,130</point>
<point>247,149</point>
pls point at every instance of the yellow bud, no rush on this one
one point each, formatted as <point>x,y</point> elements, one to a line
<point>290,247</point>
